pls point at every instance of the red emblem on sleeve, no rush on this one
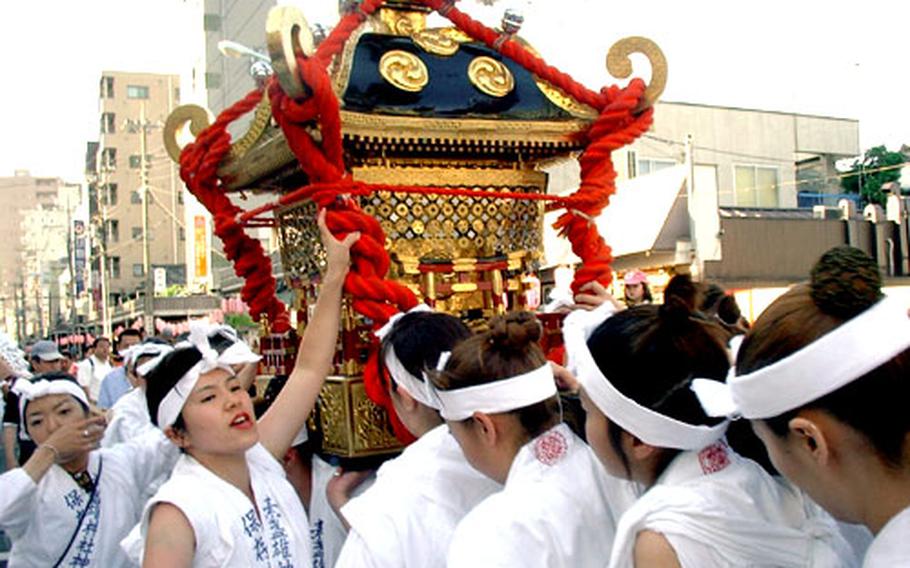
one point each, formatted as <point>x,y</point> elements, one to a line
<point>550,448</point>
<point>714,458</point>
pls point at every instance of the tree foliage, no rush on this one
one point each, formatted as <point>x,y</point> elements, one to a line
<point>868,174</point>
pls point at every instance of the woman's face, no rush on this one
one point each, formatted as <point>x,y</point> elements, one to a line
<point>219,416</point>
<point>597,432</point>
<point>43,416</point>
<point>635,292</point>
<point>803,472</point>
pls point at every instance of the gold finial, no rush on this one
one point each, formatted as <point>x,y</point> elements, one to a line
<point>287,36</point>
<point>198,118</point>
<point>620,66</point>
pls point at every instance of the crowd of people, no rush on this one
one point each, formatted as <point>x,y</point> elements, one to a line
<point>706,441</point>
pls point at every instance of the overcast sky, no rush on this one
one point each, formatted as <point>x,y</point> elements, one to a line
<point>831,57</point>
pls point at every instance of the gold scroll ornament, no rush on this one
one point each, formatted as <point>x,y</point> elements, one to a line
<point>620,66</point>
<point>491,77</point>
<point>404,71</point>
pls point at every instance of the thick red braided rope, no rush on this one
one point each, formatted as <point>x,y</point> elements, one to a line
<point>198,168</point>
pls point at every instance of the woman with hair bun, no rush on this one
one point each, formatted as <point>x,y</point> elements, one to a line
<point>406,519</point>
<point>498,396</point>
<point>701,504</point>
<point>823,378</point>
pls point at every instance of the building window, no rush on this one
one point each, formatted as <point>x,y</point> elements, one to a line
<point>108,123</point>
<point>109,158</point>
<point>115,267</point>
<point>182,233</point>
<point>135,198</point>
<point>211,22</point>
<point>138,270</point>
<point>755,186</point>
<point>107,87</point>
<point>213,80</point>
<point>137,92</point>
<point>112,194</point>
<point>179,197</point>
<point>113,231</point>
<point>135,161</point>
<point>650,165</point>
<point>137,233</point>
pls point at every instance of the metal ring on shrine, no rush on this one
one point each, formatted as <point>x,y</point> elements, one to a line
<point>85,433</point>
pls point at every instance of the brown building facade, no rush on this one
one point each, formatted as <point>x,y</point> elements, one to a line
<point>132,111</point>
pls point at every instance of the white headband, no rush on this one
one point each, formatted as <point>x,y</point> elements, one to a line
<point>420,390</point>
<point>237,354</point>
<point>834,360</point>
<point>499,396</point>
<point>650,426</point>
<point>383,331</point>
<point>155,350</point>
<point>29,391</point>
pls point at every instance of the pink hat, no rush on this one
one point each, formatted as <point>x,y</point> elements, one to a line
<point>635,277</point>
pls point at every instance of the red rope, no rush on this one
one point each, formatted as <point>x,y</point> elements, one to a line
<point>198,167</point>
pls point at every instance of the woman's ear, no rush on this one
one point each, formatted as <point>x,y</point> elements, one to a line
<point>808,438</point>
<point>405,400</point>
<point>635,449</point>
<point>178,437</point>
<point>486,428</point>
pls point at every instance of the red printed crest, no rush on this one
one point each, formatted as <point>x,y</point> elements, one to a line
<point>550,448</point>
<point>714,458</point>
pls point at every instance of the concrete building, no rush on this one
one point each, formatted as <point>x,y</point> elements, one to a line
<point>132,111</point>
<point>762,159</point>
<point>28,203</point>
<point>228,79</point>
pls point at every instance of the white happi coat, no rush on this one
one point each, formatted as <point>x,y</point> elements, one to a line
<point>716,508</point>
<point>409,515</point>
<point>554,510</point>
<point>41,519</point>
<point>129,419</point>
<point>227,529</point>
<point>327,534</point>
<point>891,546</point>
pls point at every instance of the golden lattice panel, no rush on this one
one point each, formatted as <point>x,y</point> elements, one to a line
<point>302,254</point>
<point>441,227</point>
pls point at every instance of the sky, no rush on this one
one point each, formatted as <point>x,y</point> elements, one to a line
<point>833,58</point>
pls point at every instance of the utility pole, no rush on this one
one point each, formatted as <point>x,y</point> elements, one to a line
<point>696,266</point>
<point>102,201</point>
<point>146,198</point>
<point>71,261</point>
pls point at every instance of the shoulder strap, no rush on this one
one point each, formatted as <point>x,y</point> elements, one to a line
<point>82,515</point>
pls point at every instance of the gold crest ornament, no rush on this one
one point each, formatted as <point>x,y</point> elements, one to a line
<point>404,71</point>
<point>491,77</point>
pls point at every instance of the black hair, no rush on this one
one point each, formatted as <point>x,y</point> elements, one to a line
<point>419,339</point>
<point>166,374</point>
<point>129,332</point>
<point>844,283</point>
<point>99,340</point>
<point>651,354</point>
<point>508,349</point>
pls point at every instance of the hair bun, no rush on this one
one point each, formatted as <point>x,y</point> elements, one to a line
<point>514,331</point>
<point>845,282</point>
